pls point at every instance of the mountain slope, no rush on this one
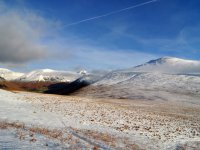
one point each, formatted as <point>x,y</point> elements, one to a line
<point>50,75</point>
<point>170,65</point>
<point>68,88</point>
<point>144,86</point>
<point>150,81</point>
<point>9,75</point>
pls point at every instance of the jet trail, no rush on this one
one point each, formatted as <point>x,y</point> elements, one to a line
<point>110,13</point>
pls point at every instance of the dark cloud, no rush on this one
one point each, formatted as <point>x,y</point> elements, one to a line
<point>16,46</point>
<point>20,36</point>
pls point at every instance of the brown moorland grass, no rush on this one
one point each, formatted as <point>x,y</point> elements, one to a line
<point>34,86</point>
<point>16,125</point>
<point>25,86</point>
<point>60,135</point>
<point>54,133</point>
<point>108,139</point>
<point>10,86</point>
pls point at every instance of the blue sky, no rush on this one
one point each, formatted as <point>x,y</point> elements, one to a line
<point>125,39</point>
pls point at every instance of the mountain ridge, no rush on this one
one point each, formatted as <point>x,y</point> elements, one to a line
<point>171,65</point>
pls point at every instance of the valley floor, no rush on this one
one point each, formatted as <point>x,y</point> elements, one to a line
<point>44,121</point>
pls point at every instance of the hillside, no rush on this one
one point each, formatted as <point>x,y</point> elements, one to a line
<point>170,65</point>
<point>9,75</point>
<point>49,75</point>
<point>143,83</point>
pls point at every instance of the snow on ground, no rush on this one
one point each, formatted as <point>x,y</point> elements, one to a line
<point>18,108</point>
<point>10,139</point>
<point>12,108</point>
<point>108,123</point>
<point>149,124</point>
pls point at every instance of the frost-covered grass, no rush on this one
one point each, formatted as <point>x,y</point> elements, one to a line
<point>48,127</point>
<point>15,135</point>
<point>151,124</point>
<point>97,123</point>
<point>18,136</point>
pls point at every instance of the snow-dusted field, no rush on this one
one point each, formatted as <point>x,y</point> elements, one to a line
<point>104,123</point>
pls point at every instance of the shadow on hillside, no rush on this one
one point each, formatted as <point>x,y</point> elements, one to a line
<point>66,88</point>
<point>62,88</point>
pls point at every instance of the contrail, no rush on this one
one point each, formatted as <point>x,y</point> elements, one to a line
<point>110,13</point>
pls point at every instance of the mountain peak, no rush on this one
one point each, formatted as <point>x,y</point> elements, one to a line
<point>171,60</point>
<point>170,65</point>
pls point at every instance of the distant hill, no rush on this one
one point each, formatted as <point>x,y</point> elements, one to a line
<point>41,75</point>
<point>48,75</point>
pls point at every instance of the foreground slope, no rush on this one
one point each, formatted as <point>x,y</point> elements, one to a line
<point>26,123</point>
<point>68,122</point>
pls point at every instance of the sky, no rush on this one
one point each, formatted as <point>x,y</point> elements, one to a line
<point>70,35</point>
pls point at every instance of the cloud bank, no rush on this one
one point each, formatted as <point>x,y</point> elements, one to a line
<point>21,34</point>
<point>27,39</point>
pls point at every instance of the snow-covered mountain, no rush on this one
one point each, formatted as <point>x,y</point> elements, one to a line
<point>41,75</point>
<point>9,75</point>
<point>165,66</point>
<point>51,75</point>
<point>170,65</point>
<point>152,80</point>
<point>145,86</point>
